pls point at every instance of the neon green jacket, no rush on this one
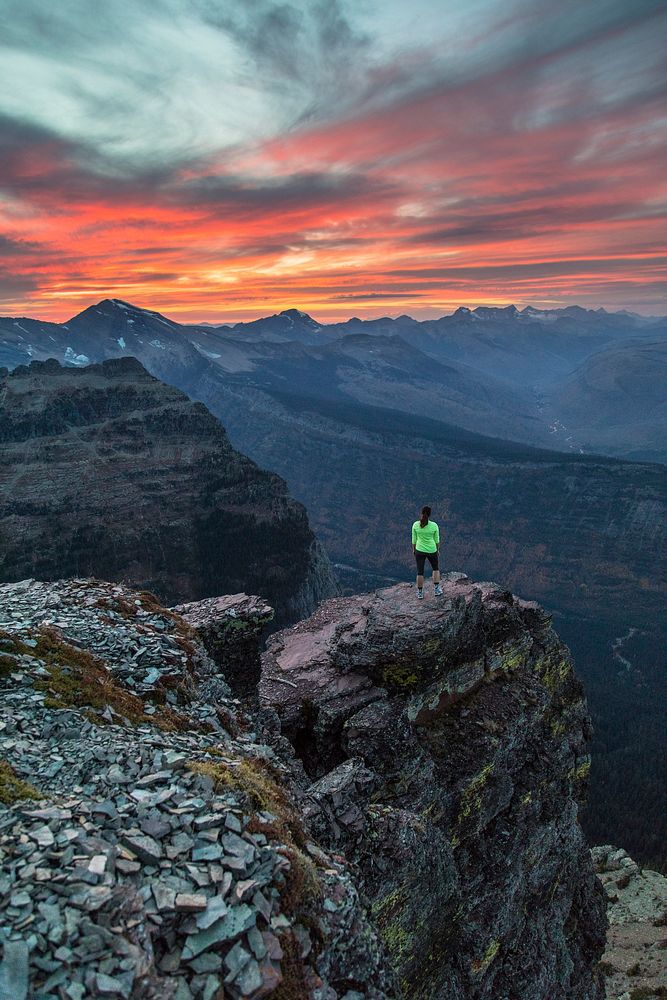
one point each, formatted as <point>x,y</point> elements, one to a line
<point>425,539</point>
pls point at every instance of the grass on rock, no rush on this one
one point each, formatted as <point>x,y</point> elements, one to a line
<point>77,679</point>
<point>12,788</point>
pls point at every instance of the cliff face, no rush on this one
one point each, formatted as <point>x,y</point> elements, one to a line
<point>583,535</point>
<point>446,743</point>
<point>109,472</point>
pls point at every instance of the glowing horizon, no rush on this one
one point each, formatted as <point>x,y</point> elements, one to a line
<point>222,165</point>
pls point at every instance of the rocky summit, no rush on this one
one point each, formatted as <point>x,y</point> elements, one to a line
<point>394,817</point>
<point>107,471</point>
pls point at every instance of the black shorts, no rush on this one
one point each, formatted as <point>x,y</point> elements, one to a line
<point>421,558</point>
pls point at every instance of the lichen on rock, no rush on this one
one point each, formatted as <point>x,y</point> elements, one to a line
<point>446,741</point>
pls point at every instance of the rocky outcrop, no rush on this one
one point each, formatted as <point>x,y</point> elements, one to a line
<point>230,628</point>
<point>106,471</point>
<point>446,744</point>
<point>151,844</point>
<point>634,960</point>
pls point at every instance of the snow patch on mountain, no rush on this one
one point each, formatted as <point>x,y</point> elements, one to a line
<point>78,360</point>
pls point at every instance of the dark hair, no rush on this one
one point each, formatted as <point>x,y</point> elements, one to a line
<point>426,513</point>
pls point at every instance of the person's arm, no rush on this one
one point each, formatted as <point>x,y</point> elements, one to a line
<point>414,540</point>
<point>437,539</point>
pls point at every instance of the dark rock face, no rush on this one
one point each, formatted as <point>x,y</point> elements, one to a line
<point>446,742</point>
<point>230,628</point>
<point>108,472</point>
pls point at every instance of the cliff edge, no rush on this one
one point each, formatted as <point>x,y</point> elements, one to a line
<point>446,745</point>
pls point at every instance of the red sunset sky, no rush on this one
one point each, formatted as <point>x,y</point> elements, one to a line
<point>221,162</point>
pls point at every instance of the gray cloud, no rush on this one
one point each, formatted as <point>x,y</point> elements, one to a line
<point>16,248</point>
<point>144,82</point>
<point>156,83</point>
<point>371,296</point>
<point>603,266</point>
<point>12,284</point>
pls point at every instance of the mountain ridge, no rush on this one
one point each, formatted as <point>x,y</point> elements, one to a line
<point>505,371</point>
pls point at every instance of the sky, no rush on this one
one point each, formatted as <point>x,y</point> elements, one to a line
<point>220,160</point>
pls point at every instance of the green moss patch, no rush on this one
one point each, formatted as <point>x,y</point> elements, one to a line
<point>401,677</point>
<point>471,798</point>
<point>580,772</point>
<point>293,985</point>
<point>12,788</point>
<point>480,965</point>
<point>390,915</point>
<point>11,647</point>
<point>261,784</point>
<point>77,679</point>
<point>553,672</point>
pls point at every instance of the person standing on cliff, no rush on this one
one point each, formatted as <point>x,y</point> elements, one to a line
<point>426,545</point>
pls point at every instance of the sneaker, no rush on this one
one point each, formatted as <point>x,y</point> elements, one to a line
<point>438,590</point>
<point>420,594</point>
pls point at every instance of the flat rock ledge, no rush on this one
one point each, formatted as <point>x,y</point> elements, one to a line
<point>635,959</point>
<point>353,650</point>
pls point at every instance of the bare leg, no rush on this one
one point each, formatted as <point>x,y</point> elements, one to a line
<point>436,576</point>
<point>420,583</point>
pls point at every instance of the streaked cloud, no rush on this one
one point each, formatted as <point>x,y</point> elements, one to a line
<point>220,160</point>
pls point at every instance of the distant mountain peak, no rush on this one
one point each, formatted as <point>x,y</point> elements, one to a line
<point>116,304</point>
<point>118,307</point>
<point>464,312</point>
<point>297,315</point>
<point>500,312</point>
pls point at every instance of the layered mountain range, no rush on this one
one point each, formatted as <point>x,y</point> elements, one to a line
<point>564,378</point>
<point>368,420</point>
<point>525,375</point>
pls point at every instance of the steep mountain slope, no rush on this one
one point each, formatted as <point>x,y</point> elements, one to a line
<point>557,525</point>
<point>616,401</point>
<point>382,371</point>
<point>107,471</point>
